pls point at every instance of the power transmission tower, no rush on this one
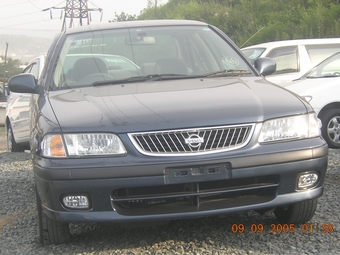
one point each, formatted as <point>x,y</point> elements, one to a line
<point>75,9</point>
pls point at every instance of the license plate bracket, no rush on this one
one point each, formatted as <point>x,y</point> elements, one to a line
<point>197,174</point>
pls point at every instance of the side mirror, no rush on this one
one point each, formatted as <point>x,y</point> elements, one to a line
<point>265,66</point>
<point>23,83</point>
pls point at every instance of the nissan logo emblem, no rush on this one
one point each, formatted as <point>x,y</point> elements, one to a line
<point>194,141</point>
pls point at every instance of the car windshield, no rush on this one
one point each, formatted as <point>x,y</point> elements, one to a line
<point>253,54</point>
<point>328,68</point>
<point>140,54</point>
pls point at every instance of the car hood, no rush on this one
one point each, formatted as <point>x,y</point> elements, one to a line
<point>183,103</point>
<point>323,91</point>
<point>313,86</point>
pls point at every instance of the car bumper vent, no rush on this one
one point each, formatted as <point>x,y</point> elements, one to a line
<point>189,141</point>
<point>192,197</point>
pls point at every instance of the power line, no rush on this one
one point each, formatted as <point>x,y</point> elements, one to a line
<point>19,15</point>
<point>14,25</point>
<point>34,5</point>
<point>4,25</point>
<point>6,5</point>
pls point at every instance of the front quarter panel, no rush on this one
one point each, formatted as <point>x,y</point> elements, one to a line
<point>42,120</point>
<point>41,116</point>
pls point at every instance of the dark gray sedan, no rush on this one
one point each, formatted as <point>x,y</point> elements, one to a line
<point>180,126</point>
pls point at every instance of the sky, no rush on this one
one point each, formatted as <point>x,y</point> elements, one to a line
<point>26,17</point>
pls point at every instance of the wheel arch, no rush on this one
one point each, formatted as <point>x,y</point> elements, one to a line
<point>333,105</point>
<point>7,124</point>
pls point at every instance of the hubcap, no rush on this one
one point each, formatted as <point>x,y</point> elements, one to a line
<point>333,129</point>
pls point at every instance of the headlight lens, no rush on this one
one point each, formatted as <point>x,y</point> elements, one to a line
<point>290,128</point>
<point>82,145</point>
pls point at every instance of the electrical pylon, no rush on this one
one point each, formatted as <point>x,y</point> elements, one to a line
<point>75,9</point>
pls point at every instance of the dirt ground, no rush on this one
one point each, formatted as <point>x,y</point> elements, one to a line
<point>2,138</point>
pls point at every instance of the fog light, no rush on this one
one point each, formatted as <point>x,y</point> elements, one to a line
<point>76,202</point>
<point>307,180</point>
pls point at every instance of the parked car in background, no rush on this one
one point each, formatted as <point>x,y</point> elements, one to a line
<point>17,112</point>
<point>3,104</point>
<point>293,57</point>
<point>193,131</point>
<point>321,88</point>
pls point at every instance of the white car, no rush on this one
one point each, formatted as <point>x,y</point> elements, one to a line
<point>3,104</point>
<point>321,88</point>
<point>17,110</point>
<point>293,57</point>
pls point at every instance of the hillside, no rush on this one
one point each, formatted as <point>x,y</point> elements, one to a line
<point>22,47</point>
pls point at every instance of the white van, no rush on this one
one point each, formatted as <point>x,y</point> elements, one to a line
<point>293,57</point>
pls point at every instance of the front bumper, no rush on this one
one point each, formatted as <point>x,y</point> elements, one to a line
<point>170,189</point>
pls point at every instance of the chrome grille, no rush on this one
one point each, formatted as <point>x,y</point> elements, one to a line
<point>188,141</point>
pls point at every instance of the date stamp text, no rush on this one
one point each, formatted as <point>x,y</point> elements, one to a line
<point>275,228</point>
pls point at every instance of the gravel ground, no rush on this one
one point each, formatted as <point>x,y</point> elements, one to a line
<point>19,231</point>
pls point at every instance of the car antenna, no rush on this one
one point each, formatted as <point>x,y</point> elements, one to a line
<point>252,36</point>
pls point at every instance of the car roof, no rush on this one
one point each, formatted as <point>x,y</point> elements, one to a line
<point>295,42</point>
<point>131,24</point>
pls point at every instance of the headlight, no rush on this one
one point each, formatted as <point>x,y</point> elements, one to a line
<point>290,128</point>
<point>81,145</point>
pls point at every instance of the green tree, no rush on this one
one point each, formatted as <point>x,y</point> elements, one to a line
<point>123,17</point>
<point>11,67</point>
<point>207,11</point>
<point>249,22</point>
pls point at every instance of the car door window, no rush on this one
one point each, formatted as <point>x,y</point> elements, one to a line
<point>318,53</point>
<point>27,69</point>
<point>328,68</point>
<point>286,59</point>
<point>35,70</point>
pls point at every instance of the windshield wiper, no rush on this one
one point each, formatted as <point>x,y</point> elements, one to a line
<point>153,77</point>
<point>126,80</point>
<point>323,76</point>
<point>330,76</point>
<point>225,73</point>
<point>313,77</point>
<point>169,76</point>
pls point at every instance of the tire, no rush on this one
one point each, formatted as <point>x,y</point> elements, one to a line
<point>296,213</point>
<point>331,127</point>
<point>12,146</point>
<point>51,231</point>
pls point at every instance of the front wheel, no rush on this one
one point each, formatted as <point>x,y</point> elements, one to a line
<point>331,127</point>
<point>51,231</point>
<point>12,146</point>
<point>296,213</point>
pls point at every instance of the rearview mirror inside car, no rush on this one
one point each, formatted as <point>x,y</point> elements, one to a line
<point>140,40</point>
